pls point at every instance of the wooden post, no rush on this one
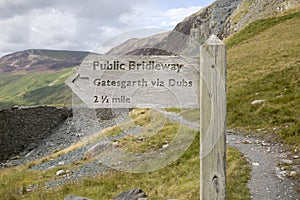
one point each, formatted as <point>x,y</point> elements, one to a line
<point>212,119</point>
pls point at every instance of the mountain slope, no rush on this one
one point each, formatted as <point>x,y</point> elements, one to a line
<point>264,64</point>
<point>34,88</point>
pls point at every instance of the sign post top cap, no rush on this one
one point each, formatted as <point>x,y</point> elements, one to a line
<point>213,40</point>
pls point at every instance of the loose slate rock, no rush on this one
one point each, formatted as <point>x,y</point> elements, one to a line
<point>73,197</point>
<point>286,161</point>
<point>96,149</point>
<point>133,194</point>
<point>60,172</point>
<point>257,102</point>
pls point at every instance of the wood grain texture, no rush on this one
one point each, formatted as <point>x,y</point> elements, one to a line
<point>212,119</point>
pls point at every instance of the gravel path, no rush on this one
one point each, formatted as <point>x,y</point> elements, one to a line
<point>268,181</point>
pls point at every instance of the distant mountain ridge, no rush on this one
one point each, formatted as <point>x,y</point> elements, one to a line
<point>40,60</point>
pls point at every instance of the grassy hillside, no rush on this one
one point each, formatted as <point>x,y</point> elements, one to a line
<point>264,64</point>
<point>34,89</point>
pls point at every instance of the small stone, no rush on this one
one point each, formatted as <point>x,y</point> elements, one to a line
<point>246,142</point>
<point>230,131</point>
<point>286,161</point>
<point>283,168</point>
<point>257,102</point>
<point>133,194</point>
<point>263,143</point>
<point>22,190</point>
<point>52,167</point>
<point>61,163</point>
<point>283,173</point>
<point>293,174</point>
<point>117,144</point>
<point>60,172</point>
<point>73,197</point>
<point>165,146</point>
<point>296,157</point>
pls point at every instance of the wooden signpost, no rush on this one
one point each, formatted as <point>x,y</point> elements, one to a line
<point>163,82</point>
<point>212,119</point>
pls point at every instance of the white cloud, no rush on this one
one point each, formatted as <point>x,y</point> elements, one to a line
<point>52,28</point>
<point>151,17</point>
<point>173,16</point>
<point>77,24</point>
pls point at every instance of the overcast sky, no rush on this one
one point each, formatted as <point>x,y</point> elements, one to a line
<point>82,24</point>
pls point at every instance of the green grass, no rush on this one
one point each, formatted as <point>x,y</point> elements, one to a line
<point>175,110</point>
<point>155,142</point>
<point>257,27</point>
<point>35,89</point>
<point>263,63</point>
<point>238,175</point>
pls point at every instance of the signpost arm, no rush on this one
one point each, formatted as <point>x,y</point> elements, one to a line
<point>212,119</point>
